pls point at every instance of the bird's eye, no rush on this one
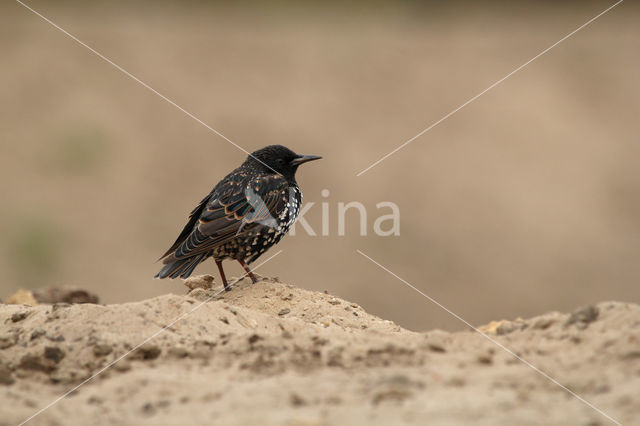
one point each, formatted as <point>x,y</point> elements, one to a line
<point>280,161</point>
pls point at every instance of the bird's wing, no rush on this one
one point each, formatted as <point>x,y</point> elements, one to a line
<point>193,218</point>
<point>235,208</point>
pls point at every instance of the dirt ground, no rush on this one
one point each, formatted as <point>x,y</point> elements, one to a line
<point>273,353</point>
<point>527,200</point>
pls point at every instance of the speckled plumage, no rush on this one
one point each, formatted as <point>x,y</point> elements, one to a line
<point>244,215</point>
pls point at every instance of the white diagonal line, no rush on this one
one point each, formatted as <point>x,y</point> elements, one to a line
<point>487,89</point>
<point>111,364</point>
<point>492,340</point>
<point>142,83</point>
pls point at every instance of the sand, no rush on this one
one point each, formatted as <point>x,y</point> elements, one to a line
<point>273,353</point>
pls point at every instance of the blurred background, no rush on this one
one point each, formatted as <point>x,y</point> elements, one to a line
<point>526,201</point>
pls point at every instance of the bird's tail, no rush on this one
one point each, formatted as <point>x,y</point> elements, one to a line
<point>181,267</point>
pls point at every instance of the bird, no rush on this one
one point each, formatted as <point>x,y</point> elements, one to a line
<point>244,215</point>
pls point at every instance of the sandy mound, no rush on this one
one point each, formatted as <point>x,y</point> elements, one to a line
<point>272,353</point>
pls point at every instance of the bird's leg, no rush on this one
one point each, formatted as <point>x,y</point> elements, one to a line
<point>246,268</point>
<point>224,279</point>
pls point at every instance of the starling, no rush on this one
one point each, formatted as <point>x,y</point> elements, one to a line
<point>245,214</point>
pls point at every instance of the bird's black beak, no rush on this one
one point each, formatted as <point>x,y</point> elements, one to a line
<point>303,159</point>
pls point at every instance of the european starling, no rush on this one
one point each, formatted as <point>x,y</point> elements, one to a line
<point>245,214</point>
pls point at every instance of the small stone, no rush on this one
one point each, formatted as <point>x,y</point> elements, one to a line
<point>437,341</point>
<point>436,347</point>
<point>38,332</point>
<point>102,349</point>
<point>19,316</point>
<point>507,327</point>
<point>284,311</point>
<point>22,297</point>
<point>53,353</point>
<point>543,323</point>
<point>485,359</point>
<point>334,301</point>
<point>201,281</point>
<point>583,316</point>
<point>254,338</point>
<point>148,352</point>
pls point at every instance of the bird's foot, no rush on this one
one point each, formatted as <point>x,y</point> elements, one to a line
<point>249,273</point>
<point>253,278</point>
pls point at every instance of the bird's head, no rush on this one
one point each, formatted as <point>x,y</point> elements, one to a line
<point>280,159</point>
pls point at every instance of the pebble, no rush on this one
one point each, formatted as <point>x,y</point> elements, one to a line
<point>19,316</point>
<point>543,323</point>
<point>102,349</point>
<point>54,353</point>
<point>437,341</point>
<point>38,332</point>
<point>58,338</point>
<point>507,327</point>
<point>485,359</point>
<point>436,347</point>
<point>149,351</point>
<point>583,316</point>
<point>201,281</point>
